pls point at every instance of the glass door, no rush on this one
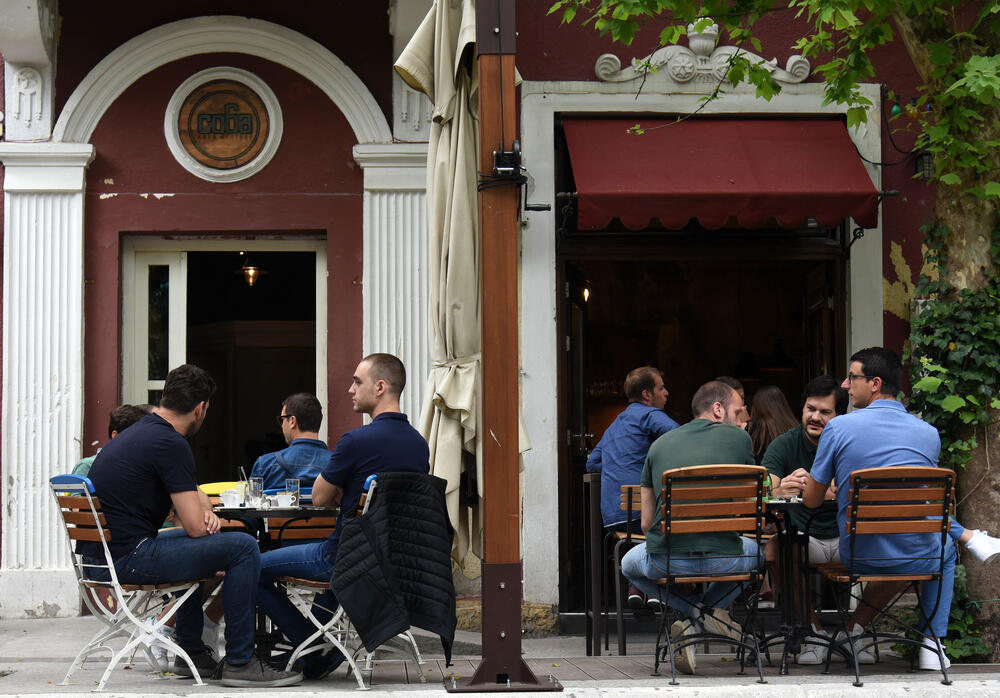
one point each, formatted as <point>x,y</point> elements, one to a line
<point>154,310</point>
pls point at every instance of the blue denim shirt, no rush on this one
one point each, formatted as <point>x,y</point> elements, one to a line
<point>621,452</point>
<point>304,459</point>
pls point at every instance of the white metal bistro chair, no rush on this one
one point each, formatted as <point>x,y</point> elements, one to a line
<point>338,631</point>
<point>139,613</point>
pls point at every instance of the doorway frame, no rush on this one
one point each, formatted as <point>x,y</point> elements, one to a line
<point>542,103</point>
<point>131,244</point>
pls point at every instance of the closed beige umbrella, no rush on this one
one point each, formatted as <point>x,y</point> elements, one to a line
<point>439,61</point>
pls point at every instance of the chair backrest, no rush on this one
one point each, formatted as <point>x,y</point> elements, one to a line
<point>713,498</point>
<point>84,521</point>
<point>630,501</point>
<point>900,499</point>
<point>299,528</point>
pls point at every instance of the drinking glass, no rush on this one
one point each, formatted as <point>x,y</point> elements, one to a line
<point>255,491</point>
<point>292,488</point>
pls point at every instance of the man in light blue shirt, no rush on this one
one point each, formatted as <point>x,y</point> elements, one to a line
<point>306,456</point>
<point>882,434</point>
<point>621,452</point>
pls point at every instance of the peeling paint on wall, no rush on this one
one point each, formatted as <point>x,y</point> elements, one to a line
<point>108,196</point>
<point>898,294</point>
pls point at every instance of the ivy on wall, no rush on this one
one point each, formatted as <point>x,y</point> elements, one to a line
<point>955,352</point>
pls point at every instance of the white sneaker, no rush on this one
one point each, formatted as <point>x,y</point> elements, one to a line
<point>865,656</point>
<point>814,652</point>
<point>928,659</point>
<point>720,622</point>
<point>983,546</point>
<point>683,658</point>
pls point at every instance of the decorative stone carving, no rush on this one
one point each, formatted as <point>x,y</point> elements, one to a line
<point>412,112</point>
<point>27,96</point>
<point>700,64</point>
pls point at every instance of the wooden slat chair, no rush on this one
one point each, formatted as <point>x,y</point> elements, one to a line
<point>616,544</point>
<point>140,612</point>
<point>891,501</point>
<point>711,499</point>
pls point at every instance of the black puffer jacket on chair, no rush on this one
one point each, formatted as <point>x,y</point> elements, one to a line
<point>393,567</point>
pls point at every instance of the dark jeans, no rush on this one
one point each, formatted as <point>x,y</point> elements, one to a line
<point>173,556</point>
<point>308,561</point>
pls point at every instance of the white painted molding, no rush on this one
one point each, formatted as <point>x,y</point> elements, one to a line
<point>45,167</point>
<point>220,34</point>
<point>42,415</point>
<point>393,166</point>
<point>412,112</point>
<point>395,292</point>
<point>211,174</point>
<point>700,67</point>
<point>27,31</point>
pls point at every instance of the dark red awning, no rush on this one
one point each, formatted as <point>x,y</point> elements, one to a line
<point>714,170</point>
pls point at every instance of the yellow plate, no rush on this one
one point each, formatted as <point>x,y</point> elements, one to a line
<point>213,489</point>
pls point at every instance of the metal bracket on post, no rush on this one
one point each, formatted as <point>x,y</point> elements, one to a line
<point>502,668</point>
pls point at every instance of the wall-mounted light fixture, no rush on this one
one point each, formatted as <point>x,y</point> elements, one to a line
<point>586,291</point>
<point>923,165</point>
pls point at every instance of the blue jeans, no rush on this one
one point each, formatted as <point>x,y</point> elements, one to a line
<point>643,569</point>
<point>174,556</point>
<point>928,590</point>
<point>308,561</point>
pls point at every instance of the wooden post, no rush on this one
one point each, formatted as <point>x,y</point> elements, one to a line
<point>502,668</point>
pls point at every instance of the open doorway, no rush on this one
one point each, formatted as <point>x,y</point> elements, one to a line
<point>191,301</point>
<point>764,320</point>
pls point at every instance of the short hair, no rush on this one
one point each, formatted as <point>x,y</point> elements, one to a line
<point>639,379</point>
<point>185,387</point>
<point>124,416</point>
<point>823,386</point>
<point>881,363</point>
<point>306,410</point>
<point>709,394</point>
<point>390,369</point>
<point>731,382</point>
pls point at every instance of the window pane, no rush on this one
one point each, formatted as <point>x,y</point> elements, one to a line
<point>154,397</point>
<point>159,321</point>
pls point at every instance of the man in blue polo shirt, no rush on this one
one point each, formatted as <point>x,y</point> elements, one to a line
<point>387,444</point>
<point>300,418</point>
<point>621,452</point>
<point>882,434</point>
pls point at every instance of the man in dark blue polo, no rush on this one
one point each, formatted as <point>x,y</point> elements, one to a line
<point>387,444</point>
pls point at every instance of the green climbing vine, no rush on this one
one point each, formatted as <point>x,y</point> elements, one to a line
<point>954,352</point>
<point>954,357</point>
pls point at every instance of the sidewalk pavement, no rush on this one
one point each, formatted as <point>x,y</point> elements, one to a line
<point>35,655</point>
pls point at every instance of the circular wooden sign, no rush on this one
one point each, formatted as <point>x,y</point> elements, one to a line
<point>223,124</point>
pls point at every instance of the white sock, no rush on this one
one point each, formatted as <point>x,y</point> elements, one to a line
<point>982,545</point>
<point>857,630</point>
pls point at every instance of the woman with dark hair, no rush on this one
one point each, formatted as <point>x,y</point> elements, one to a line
<point>770,417</point>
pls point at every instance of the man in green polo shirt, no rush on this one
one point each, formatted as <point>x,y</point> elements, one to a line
<point>713,437</point>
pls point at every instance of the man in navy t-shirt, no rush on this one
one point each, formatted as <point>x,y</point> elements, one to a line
<point>139,477</point>
<point>388,444</point>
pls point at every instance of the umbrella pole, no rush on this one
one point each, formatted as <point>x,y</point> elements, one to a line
<point>502,667</point>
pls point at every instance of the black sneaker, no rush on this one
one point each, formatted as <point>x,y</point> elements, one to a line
<point>635,599</point>
<point>320,664</point>
<point>257,674</point>
<point>205,661</point>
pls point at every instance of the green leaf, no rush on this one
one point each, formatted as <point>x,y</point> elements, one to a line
<point>951,178</point>
<point>952,403</point>
<point>928,384</point>
<point>940,54</point>
<point>856,116</point>
<point>992,190</point>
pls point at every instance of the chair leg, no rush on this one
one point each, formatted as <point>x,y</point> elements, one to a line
<point>619,607</point>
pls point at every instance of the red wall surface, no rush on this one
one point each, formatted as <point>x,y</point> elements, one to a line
<point>357,33</point>
<point>312,184</point>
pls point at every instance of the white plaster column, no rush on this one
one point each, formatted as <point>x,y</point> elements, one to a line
<point>42,410</point>
<point>395,291</point>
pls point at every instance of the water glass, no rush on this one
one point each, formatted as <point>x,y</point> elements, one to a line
<point>255,491</point>
<point>292,488</point>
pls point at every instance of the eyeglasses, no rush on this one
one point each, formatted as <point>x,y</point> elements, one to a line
<point>852,376</point>
<point>282,417</point>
